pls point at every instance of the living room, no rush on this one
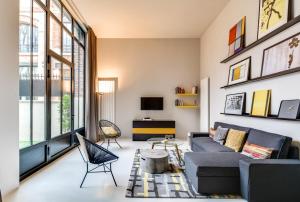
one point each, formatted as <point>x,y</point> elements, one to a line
<point>163,100</point>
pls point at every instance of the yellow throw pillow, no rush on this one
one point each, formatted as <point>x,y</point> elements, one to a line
<point>235,139</point>
<point>109,131</point>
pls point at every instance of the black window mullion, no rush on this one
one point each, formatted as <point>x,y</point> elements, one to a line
<point>31,74</point>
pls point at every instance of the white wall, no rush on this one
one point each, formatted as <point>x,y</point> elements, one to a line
<point>214,48</point>
<point>9,86</point>
<point>151,67</point>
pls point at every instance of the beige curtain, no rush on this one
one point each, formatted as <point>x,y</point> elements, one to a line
<point>91,108</point>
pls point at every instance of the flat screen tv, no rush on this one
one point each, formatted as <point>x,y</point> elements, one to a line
<point>152,103</point>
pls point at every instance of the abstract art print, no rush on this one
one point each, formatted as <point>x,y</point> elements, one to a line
<point>261,102</point>
<point>235,104</point>
<point>272,14</point>
<point>236,40</point>
<point>289,109</point>
<point>239,72</point>
<point>282,56</point>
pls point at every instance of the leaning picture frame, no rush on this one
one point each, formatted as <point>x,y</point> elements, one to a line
<point>239,72</point>
<point>272,15</point>
<point>235,104</point>
<point>282,57</point>
<point>289,109</point>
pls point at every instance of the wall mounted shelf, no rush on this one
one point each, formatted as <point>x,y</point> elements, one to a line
<point>274,117</point>
<point>186,94</point>
<point>188,107</point>
<point>263,39</point>
<point>290,71</point>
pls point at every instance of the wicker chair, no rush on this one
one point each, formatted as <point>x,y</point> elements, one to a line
<point>112,134</point>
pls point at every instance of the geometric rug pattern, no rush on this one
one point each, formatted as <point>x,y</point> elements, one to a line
<point>171,184</point>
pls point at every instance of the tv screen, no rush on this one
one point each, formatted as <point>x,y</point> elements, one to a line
<point>152,103</point>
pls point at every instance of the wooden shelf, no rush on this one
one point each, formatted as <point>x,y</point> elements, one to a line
<point>186,94</point>
<point>274,117</point>
<point>188,107</point>
<point>264,38</point>
<point>290,71</point>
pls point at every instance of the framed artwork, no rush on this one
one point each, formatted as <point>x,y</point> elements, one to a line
<point>236,40</point>
<point>289,109</point>
<point>239,72</point>
<point>235,103</point>
<point>272,15</point>
<point>282,56</point>
<point>261,101</point>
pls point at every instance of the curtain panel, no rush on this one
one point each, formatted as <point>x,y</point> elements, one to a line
<point>91,108</point>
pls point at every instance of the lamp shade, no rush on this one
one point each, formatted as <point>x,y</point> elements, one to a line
<point>106,86</point>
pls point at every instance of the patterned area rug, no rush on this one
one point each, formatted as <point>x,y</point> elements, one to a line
<point>171,184</point>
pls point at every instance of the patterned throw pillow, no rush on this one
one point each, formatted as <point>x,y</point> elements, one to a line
<point>109,131</point>
<point>256,152</point>
<point>235,139</point>
<point>220,135</point>
<point>212,132</point>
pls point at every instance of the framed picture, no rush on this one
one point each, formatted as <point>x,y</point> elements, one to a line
<point>236,40</point>
<point>282,56</point>
<point>235,103</point>
<point>289,109</point>
<point>272,15</point>
<point>239,72</point>
<point>261,101</point>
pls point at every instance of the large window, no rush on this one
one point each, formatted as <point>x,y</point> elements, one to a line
<point>51,99</point>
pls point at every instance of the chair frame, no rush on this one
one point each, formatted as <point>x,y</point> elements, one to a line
<point>111,124</point>
<point>104,165</point>
<point>106,168</point>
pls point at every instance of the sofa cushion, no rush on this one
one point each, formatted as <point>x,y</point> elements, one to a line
<point>207,144</point>
<point>235,139</point>
<point>220,164</point>
<point>220,135</point>
<point>256,152</point>
<point>231,126</point>
<point>278,143</point>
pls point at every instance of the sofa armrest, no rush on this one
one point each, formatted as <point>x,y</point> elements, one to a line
<point>198,134</point>
<point>270,180</point>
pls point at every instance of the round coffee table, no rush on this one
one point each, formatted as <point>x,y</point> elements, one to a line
<point>154,161</point>
<point>165,142</point>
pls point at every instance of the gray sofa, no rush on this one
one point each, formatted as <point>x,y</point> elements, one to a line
<point>215,169</point>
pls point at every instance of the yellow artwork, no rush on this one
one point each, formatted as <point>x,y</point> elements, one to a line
<point>261,103</point>
<point>273,14</point>
<point>237,74</point>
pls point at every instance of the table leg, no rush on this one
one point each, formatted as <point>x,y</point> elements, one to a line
<point>178,155</point>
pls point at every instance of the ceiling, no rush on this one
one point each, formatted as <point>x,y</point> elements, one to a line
<point>149,18</point>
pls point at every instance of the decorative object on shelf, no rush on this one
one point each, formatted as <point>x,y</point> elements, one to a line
<point>235,103</point>
<point>195,90</point>
<point>289,109</point>
<point>237,37</point>
<point>272,15</point>
<point>261,101</point>
<point>239,72</point>
<point>282,56</point>
<point>179,90</point>
<point>179,102</point>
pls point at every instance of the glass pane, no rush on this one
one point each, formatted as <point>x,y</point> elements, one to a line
<point>67,46</point>
<point>55,36</point>
<point>55,8</point>
<point>24,73</point>
<point>66,102</point>
<point>55,98</point>
<point>79,34</point>
<point>38,103</point>
<point>81,87</point>
<point>76,84</point>
<point>67,20</point>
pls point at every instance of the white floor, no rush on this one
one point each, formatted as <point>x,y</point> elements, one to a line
<point>59,182</point>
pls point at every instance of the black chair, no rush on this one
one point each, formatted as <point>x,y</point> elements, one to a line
<point>95,154</point>
<point>114,133</point>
